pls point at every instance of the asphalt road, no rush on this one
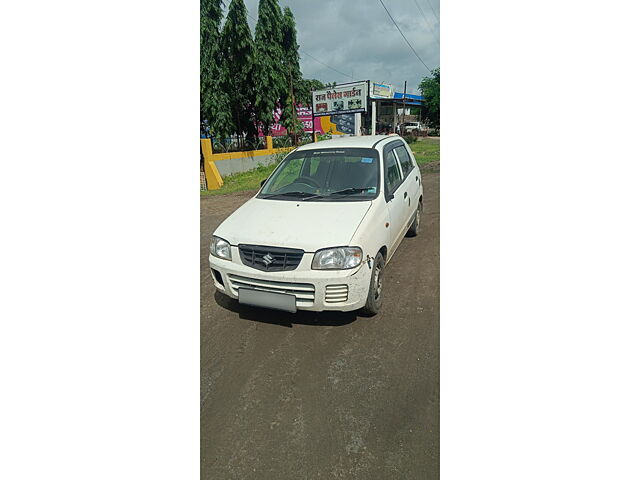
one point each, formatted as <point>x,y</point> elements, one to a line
<point>307,395</point>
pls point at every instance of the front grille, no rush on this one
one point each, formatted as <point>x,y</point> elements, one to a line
<point>336,293</point>
<point>270,259</point>
<point>304,292</point>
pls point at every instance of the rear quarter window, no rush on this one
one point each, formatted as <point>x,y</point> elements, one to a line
<point>405,159</point>
<point>392,177</point>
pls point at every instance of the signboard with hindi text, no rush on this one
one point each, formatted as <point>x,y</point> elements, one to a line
<point>341,99</point>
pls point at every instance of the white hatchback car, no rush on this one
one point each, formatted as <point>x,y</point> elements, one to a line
<point>319,232</point>
<point>410,127</point>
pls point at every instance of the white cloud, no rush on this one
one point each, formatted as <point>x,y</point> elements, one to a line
<point>358,36</point>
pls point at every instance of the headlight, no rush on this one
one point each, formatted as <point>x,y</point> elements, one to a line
<point>339,258</point>
<point>220,248</point>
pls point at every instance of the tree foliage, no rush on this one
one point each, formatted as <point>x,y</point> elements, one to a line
<point>210,17</point>
<point>237,63</point>
<point>430,89</point>
<point>214,103</point>
<point>270,79</point>
<point>291,67</point>
<point>244,79</point>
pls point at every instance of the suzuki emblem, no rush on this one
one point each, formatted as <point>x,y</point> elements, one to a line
<point>267,260</point>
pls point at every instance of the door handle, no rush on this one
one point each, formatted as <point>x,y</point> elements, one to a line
<point>405,194</point>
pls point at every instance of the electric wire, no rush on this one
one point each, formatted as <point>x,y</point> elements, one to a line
<point>405,38</point>
<point>425,19</point>
<point>434,12</point>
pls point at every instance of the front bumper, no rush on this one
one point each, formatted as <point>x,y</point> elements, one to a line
<point>315,290</point>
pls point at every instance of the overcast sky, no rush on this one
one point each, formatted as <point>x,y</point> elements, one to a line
<point>357,37</point>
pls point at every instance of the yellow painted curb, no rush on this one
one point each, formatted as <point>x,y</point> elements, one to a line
<point>250,153</point>
<point>214,179</point>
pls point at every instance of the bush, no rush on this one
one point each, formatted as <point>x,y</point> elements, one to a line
<point>305,138</point>
<point>325,136</point>
<point>410,138</point>
<point>283,141</point>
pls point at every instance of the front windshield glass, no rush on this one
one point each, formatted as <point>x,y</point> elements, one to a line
<point>325,175</point>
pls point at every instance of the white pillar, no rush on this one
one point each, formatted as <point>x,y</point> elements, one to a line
<point>373,117</point>
<point>357,124</point>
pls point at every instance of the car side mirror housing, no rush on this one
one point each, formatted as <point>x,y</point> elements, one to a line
<point>390,197</point>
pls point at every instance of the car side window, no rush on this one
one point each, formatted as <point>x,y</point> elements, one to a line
<point>405,159</point>
<point>392,177</point>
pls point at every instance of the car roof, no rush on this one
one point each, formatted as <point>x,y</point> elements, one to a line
<point>347,141</point>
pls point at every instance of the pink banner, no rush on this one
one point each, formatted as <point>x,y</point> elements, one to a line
<point>304,115</point>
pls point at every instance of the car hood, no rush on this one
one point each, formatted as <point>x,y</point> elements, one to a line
<point>296,224</point>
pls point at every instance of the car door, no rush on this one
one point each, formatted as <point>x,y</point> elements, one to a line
<point>396,196</point>
<point>410,175</point>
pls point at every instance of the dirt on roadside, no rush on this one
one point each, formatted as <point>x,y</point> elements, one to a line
<point>324,395</point>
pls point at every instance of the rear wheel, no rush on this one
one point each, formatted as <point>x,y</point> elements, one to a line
<point>414,229</point>
<point>374,299</point>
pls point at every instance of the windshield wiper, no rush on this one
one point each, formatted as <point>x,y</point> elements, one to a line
<point>349,191</point>
<point>305,195</point>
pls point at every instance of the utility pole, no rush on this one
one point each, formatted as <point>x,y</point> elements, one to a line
<point>294,112</point>
<point>313,120</point>
<point>404,105</point>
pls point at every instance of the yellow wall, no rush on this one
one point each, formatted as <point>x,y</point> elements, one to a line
<point>329,126</point>
<point>214,180</point>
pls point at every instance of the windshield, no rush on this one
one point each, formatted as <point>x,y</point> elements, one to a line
<point>344,174</point>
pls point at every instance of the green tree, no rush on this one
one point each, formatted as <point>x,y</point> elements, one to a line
<point>237,62</point>
<point>430,89</point>
<point>270,79</point>
<point>214,103</point>
<point>291,59</point>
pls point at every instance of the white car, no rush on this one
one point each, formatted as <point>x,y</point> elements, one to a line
<point>319,232</point>
<point>412,127</point>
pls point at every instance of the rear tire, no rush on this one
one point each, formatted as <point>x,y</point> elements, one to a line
<point>414,229</point>
<point>374,298</point>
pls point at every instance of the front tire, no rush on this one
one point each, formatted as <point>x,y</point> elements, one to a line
<point>374,298</point>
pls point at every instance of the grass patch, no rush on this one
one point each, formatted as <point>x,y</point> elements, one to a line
<point>243,181</point>
<point>426,150</point>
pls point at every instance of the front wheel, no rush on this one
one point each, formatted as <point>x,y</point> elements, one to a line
<point>374,298</point>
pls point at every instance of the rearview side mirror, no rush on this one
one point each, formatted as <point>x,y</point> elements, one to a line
<point>262,182</point>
